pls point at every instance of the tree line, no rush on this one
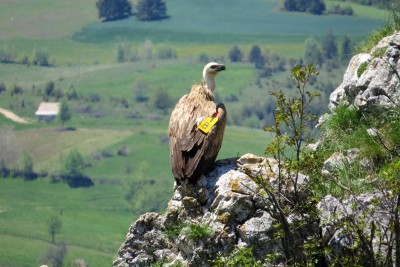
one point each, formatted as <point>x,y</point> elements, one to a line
<point>318,7</point>
<point>146,10</point>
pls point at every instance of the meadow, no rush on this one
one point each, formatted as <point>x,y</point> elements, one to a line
<point>83,52</point>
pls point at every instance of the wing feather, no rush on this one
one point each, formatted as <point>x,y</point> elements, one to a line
<point>192,151</point>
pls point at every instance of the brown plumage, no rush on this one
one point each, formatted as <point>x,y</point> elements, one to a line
<point>193,152</point>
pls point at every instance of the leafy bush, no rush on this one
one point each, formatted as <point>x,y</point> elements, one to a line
<point>123,151</point>
<point>235,54</point>
<point>72,171</point>
<point>151,10</point>
<point>114,9</point>
<point>166,53</point>
<point>197,231</point>
<point>17,90</point>
<point>7,55</point>
<point>2,87</point>
<point>243,257</point>
<point>361,69</point>
<point>313,6</point>
<point>41,58</point>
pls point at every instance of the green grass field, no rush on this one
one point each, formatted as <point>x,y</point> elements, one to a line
<point>84,51</point>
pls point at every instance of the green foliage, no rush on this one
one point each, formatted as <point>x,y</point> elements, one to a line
<point>27,166</point>
<point>114,9</point>
<point>166,53</point>
<point>347,48</point>
<point>41,58</point>
<point>243,257</point>
<point>73,170</point>
<point>198,231</point>
<point>2,87</point>
<point>344,120</point>
<point>361,69</point>
<point>384,4</point>
<point>376,138</point>
<point>7,55</point>
<point>151,10</point>
<point>348,128</point>
<point>54,225</point>
<point>192,231</point>
<point>65,114</point>
<point>312,52</point>
<point>161,100</point>
<point>49,88</point>
<point>391,26</point>
<point>235,54</point>
<point>314,7</point>
<point>165,262</point>
<point>292,114</point>
<point>338,10</point>
<point>73,164</point>
<point>329,47</point>
<point>290,134</point>
<point>255,54</point>
<point>173,231</point>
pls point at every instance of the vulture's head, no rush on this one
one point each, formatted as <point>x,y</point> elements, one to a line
<point>210,71</point>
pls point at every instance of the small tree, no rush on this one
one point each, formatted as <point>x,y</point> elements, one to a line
<point>290,135</point>
<point>151,10</point>
<point>73,170</point>
<point>41,58</point>
<point>347,48</point>
<point>49,88</point>
<point>27,166</point>
<point>54,226</point>
<point>255,54</point>
<point>65,114</point>
<point>312,52</point>
<point>235,54</point>
<point>74,164</point>
<point>329,47</point>
<point>2,87</point>
<point>114,9</point>
<point>162,100</point>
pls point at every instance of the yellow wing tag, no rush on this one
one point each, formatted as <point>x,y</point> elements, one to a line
<point>206,124</point>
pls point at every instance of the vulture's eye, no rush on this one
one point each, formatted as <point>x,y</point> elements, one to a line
<point>213,67</point>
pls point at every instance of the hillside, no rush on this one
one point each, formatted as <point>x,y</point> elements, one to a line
<point>113,105</point>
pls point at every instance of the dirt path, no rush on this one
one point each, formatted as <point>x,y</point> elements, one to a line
<point>10,115</point>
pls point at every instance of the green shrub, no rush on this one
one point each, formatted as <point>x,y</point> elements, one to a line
<point>361,69</point>
<point>198,231</point>
<point>243,257</point>
<point>174,231</point>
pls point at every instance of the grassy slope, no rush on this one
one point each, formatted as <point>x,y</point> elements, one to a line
<point>95,220</point>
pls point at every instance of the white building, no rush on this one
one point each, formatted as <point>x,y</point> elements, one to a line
<point>47,111</point>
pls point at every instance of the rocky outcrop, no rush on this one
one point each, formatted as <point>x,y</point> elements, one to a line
<point>227,207</point>
<point>372,79</point>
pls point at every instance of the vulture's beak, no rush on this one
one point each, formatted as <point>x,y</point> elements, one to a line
<point>221,67</point>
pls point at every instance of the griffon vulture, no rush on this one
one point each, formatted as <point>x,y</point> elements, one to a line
<point>196,128</point>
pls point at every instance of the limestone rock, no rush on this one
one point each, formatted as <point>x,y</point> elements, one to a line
<point>378,85</point>
<point>226,203</point>
<point>366,209</point>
